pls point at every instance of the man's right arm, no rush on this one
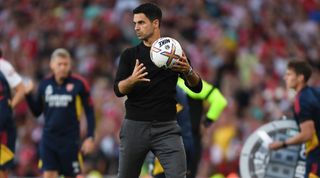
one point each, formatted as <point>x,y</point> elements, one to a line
<point>125,86</point>
<point>18,96</point>
<point>125,80</point>
<point>123,73</point>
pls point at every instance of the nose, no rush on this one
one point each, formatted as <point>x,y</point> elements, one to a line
<point>62,66</point>
<point>136,27</point>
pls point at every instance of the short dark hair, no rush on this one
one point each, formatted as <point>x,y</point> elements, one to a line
<point>151,11</point>
<point>301,68</point>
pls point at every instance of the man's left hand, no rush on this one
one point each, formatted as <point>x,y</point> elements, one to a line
<point>87,146</point>
<point>181,65</point>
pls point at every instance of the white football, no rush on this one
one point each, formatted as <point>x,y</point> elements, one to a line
<point>165,52</point>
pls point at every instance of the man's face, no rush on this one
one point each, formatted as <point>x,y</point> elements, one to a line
<point>61,66</point>
<point>292,79</point>
<point>143,26</point>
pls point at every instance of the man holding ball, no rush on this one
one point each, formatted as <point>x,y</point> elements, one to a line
<point>150,122</point>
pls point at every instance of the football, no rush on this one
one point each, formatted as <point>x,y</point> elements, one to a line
<point>165,52</point>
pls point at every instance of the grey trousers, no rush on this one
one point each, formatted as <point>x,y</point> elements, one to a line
<point>137,138</point>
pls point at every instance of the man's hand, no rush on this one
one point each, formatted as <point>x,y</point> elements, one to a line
<point>87,146</point>
<point>181,65</point>
<point>276,145</point>
<point>139,73</point>
<point>28,87</point>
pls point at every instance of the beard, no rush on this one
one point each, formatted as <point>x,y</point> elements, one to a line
<point>146,36</point>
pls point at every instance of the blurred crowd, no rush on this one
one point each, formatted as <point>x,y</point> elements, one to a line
<point>240,46</point>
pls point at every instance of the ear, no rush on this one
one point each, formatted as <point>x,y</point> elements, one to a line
<point>51,65</point>
<point>156,23</point>
<point>301,78</point>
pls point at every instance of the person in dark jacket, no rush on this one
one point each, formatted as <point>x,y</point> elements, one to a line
<point>59,98</point>
<point>307,115</point>
<point>150,121</point>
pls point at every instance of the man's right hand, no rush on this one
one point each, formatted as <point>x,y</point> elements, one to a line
<point>276,145</point>
<point>139,73</point>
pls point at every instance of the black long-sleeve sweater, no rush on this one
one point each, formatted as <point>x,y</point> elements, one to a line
<point>149,101</point>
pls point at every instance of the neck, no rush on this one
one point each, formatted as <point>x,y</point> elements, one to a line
<point>59,80</point>
<point>149,41</point>
<point>300,87</point>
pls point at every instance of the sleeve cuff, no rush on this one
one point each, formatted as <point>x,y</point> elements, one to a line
<point>116,90</point>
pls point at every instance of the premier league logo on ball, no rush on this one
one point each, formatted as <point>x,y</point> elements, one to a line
<point>257,161</point>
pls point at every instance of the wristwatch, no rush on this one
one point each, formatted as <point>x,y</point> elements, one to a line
<point>190,71</point>
<point>284,145</point>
